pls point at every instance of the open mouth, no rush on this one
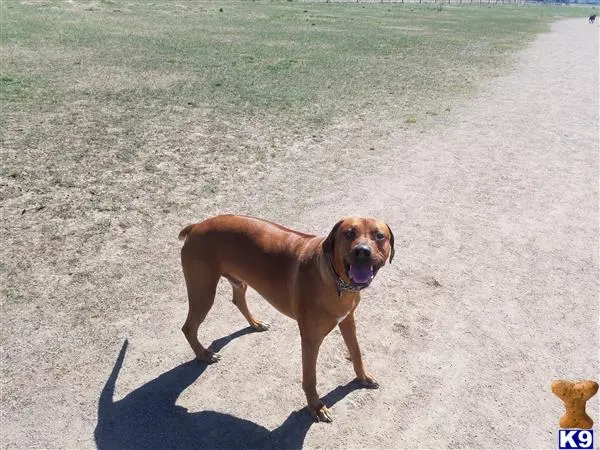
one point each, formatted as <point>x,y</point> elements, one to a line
<point>360,274</point>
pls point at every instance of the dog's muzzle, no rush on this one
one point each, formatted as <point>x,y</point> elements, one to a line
<point>360,271</point>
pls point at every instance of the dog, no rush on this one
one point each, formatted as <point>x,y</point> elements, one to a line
<point>592,18</point>
<point>314,280</point>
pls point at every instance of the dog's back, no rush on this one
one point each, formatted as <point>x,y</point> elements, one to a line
<point>250,250</point>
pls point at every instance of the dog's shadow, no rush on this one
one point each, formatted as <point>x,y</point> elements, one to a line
<point>148,417</point>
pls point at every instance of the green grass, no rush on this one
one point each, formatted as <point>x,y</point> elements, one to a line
<point>305,65</point>
<point>15,88</point>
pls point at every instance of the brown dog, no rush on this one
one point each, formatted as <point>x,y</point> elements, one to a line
<point>314,280</point>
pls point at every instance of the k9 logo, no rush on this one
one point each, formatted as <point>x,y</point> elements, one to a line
<point>575,439</point>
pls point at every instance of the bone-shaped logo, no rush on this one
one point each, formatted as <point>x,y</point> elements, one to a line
<point>574,395</point>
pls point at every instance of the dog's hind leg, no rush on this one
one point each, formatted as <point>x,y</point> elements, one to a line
<point>239,300</point>
<point>201,285</point>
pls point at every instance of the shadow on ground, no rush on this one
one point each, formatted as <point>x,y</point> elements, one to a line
<point>148,417</point>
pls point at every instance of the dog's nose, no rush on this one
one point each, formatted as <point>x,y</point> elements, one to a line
<point>362,252</point>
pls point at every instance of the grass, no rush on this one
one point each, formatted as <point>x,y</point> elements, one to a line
<point>304,64</point>
<point>124,117</point>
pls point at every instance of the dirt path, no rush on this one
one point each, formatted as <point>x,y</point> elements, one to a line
<point>492,295</point>
<point>501,207</point>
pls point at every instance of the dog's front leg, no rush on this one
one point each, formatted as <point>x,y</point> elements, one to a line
<point>310,352</point>
<point>348,330</point>
<point>311,339</point>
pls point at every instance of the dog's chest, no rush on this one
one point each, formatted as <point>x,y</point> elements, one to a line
<point>345,309</point>
<point>339,319</point>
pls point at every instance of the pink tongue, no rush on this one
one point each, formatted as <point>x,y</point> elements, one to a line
<point>362,274</point>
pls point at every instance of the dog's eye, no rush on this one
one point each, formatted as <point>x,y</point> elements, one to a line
<point>350,234</point>
<point>379,236</point>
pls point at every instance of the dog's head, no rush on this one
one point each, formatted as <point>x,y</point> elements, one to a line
<point>358,248</point>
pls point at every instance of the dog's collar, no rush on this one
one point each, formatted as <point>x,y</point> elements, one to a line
<point>340,284</point>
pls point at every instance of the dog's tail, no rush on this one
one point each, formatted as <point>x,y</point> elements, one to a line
<point>183,233</point>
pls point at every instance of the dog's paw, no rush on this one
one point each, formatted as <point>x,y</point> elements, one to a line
<point>368,381</point>
<point>209,357</point>
<point>320,413</point>
<point>261,326</point>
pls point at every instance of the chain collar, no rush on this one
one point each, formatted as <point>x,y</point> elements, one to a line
<point>340,284</point>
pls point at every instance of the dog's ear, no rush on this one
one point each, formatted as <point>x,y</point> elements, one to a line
<point>392,251</point>
<point>328,243</point>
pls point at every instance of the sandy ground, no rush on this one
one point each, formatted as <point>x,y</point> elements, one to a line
<point>493,293</point>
